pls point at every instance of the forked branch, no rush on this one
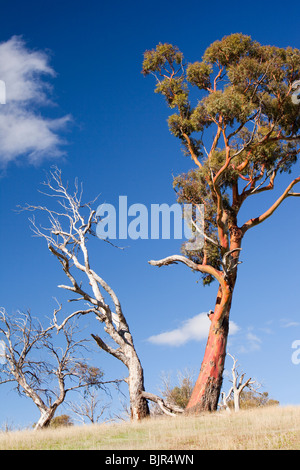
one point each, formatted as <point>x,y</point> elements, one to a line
<point>258,220</point>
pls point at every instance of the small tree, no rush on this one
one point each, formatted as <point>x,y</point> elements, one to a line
<point>176,395</point>
<point>41,369</point>
<point>238,386</point>
<point>179,394</point>
<point>90,408</point>
<point>253,399</point>
<point>61,421</point>
<point>241,134</point>
<point>238,397</point>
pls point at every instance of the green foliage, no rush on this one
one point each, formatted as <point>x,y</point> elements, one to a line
<point>251,399</point>
<point>180,395</point>
<point>61,421</point>
<point>191,188</point>
<point>164,56</point>
<point>198,74</point>
<point>230,50</point>
<point>247,75</point>
<point>245,106</point>
<point>175,92</point>
<point>230,103</point>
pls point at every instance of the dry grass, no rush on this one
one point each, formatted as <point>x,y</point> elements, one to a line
<point>265,429</point>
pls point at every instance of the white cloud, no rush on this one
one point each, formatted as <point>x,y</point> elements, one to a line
<point>253,341</point>
<point>193,329</point>
<point>24,132</point>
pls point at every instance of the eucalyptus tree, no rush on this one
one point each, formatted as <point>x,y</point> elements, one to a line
<point>241,134</point>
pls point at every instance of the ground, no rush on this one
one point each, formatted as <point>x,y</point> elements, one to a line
<point>264,429</point>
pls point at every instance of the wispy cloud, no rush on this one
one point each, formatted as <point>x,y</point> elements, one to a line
<point>254,341</point>
<point>285,323</point>
<point>24,131</point>
<point>247,341</point>
<point>193,329</point>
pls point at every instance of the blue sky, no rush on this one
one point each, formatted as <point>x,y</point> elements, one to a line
<point>100,121</point>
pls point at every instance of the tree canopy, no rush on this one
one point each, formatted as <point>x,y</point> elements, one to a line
<point>235,117</point>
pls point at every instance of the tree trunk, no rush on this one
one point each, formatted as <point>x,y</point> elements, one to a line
<point>127,354</point>
<point>138,404</point>
<point>236,400</point>
<point>46,412</point>
<point>205,395</point>
<point>45,418</point>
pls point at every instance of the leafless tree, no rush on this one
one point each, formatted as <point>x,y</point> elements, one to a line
<point>90,408</point>
<point>7,426</point>
<point>42,370</point>
<point>238,385</point>
<point>67,234</point>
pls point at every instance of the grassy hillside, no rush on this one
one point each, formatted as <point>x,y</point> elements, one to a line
<point>264,428</point>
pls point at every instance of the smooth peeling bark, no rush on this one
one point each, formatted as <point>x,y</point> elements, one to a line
<point>206,392</point>
<point>207,389</point>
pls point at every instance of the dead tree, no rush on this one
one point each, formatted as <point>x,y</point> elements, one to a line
<point>238,385</point>
<point>91,408</point>
<point>42,370</point>
<point>70,227</point>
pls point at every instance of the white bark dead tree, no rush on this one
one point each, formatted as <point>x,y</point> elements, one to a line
<point>67,236</point>
<point>238,385</point>
<point>42,371</point>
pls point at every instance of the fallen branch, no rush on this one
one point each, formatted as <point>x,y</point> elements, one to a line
<point>168,408</point>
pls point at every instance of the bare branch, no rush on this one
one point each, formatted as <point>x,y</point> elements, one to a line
<point>34,362</point>
<point>66,236</point>
<point>168,408</point>
<point>257,220</point>
<point>174,259</point>
<point>238,385</point>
